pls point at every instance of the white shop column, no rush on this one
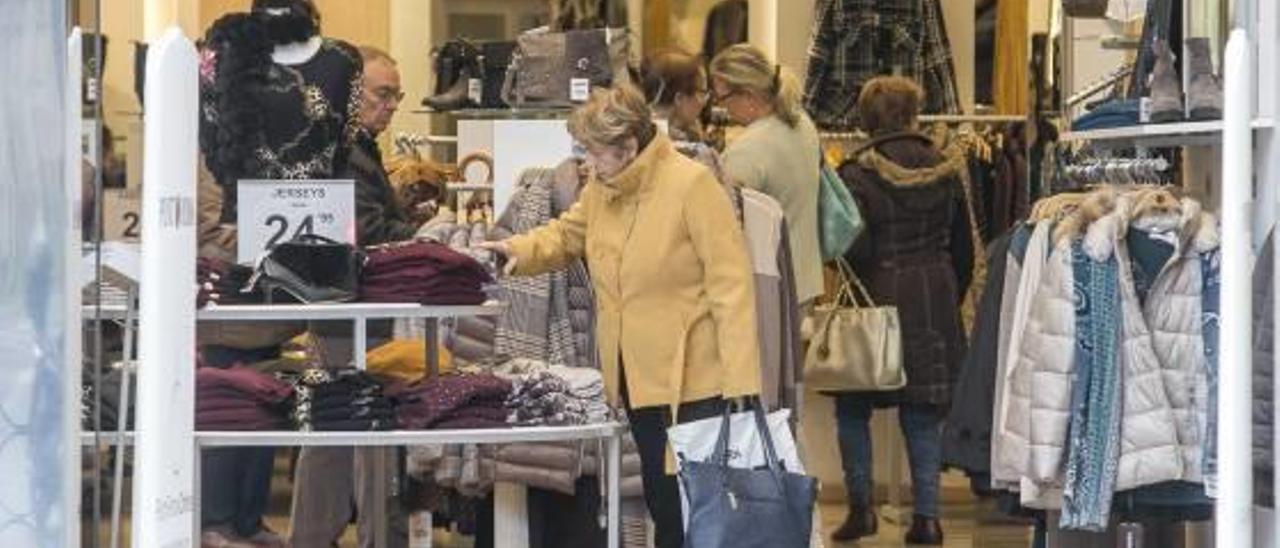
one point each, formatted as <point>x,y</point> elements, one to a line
<point>782,29</point>
<point>163,498</point>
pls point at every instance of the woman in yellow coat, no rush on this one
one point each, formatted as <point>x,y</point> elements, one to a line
<point>675,301</point>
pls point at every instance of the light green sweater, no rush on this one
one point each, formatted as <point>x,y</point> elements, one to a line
<point>782,161</point>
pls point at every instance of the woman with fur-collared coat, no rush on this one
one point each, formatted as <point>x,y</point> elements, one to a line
<point>911,196</point>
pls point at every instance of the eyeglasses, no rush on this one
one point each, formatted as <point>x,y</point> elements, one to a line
<point>720,99</point>
<point>387,94</point>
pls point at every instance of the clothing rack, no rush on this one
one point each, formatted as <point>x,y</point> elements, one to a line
<point>1103,83</point>
<point>1117,170</point>
<point>408,142</point>
<point>991,119</point>
<point>973,118</point>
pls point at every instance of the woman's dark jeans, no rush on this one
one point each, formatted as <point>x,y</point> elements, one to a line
<point>921,426</point>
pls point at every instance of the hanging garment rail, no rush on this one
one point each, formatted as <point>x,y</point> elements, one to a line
<point>1131,171</point>
<point>990,119</point>
<point>1098,86</point>
<point>973,118</point>
<point>409,142</point>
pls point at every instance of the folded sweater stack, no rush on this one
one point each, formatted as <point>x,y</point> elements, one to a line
<point>423,272</point>
<point>553,395</point>
<point>240,398</point>
<point>340,400</point>
<point>453,402</point>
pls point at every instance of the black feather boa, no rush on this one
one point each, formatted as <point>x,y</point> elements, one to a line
<point>242,44</point>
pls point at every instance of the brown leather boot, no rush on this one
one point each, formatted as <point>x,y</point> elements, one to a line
<point>860,522</point>
<point>924,531</point>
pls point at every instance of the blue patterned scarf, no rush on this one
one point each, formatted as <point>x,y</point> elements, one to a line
<point>1093,448</point>
<point>1210,295</point>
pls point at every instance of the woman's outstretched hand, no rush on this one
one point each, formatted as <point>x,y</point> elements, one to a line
<point>503,250</point>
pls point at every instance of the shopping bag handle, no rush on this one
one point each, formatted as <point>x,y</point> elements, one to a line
<point>721,453</point>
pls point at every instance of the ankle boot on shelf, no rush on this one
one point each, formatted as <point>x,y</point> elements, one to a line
<point>1204,92</point>
<point>456,97</point>
<point>1166,87</point>
<point>456,63</point>
<point>925,531</point>
<point>860,522</point>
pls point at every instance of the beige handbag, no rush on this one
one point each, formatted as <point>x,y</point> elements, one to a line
<point>855,348</point>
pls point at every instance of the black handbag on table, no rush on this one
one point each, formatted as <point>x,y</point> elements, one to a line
<point>747,508</point>
<point>312,269</point>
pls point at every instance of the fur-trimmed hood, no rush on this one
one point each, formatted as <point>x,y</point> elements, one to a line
<point>1106,216</point>
<point>871,159</point>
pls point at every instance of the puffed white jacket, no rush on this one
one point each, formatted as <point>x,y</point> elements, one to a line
<point>1161,359</point>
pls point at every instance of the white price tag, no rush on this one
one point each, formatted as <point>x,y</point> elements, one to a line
<point>475,90</point>
<point>1144,110</point>
<point>270,212</point>
<point>579,89</point>
<point>121,215</point>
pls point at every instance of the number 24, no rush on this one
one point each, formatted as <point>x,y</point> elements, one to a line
<point>307,226</point>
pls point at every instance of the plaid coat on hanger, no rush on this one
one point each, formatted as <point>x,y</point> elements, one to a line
<point>856,40</point>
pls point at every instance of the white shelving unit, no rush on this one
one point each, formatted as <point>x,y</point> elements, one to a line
<point>1207,132</point>
<point>1247,147</point>
<point>510,507</point>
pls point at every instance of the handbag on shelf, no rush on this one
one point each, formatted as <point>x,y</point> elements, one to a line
<point>1085,9</point>
<point>559,69</point>
<point>839,220</point>
<point>495,57</point>
<point>855,348</point>
<point>760,507</point>
<point>311,269</point>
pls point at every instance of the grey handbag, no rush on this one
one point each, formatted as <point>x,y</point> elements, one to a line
<point>1085,9</point>
<point>747,508</point>
<point>559,69</point>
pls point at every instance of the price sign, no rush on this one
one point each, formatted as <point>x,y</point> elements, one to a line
<point>475,90</point>
<point>270,212</point>
<point>579,89</point>
<point>121,215</point>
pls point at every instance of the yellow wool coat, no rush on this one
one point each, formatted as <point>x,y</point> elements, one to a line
<point>675,300</point>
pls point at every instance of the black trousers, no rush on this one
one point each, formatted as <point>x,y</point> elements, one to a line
<point>661,492</point>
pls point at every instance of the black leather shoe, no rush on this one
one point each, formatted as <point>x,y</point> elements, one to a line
<point>924,531</point>
<point>857,524</point>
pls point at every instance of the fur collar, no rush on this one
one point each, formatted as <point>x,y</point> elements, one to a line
<point>953,163</point>
<point>1103,219</point>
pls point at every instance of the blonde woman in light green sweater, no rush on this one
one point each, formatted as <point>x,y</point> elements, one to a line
<point>778,153</point>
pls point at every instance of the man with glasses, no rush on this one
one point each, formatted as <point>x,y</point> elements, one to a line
<point>379,218</point>
<point>333,483</point>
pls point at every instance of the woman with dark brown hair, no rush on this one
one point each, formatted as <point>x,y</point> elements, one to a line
<point>675,84</point>
<point>910,194</point>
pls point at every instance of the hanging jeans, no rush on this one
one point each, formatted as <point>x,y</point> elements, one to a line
<point>235,482</point>
<point>921,425</point>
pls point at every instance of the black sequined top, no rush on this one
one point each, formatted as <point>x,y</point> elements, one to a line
<point>310,117</point>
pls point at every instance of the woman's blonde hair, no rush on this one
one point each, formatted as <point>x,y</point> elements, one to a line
<point>611,116</point>
<point>744,68</point>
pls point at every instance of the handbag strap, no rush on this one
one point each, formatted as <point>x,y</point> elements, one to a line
<point>850,280</point>
<point>307,237</point>
<point>720,455</point>
<point>762,428</point>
